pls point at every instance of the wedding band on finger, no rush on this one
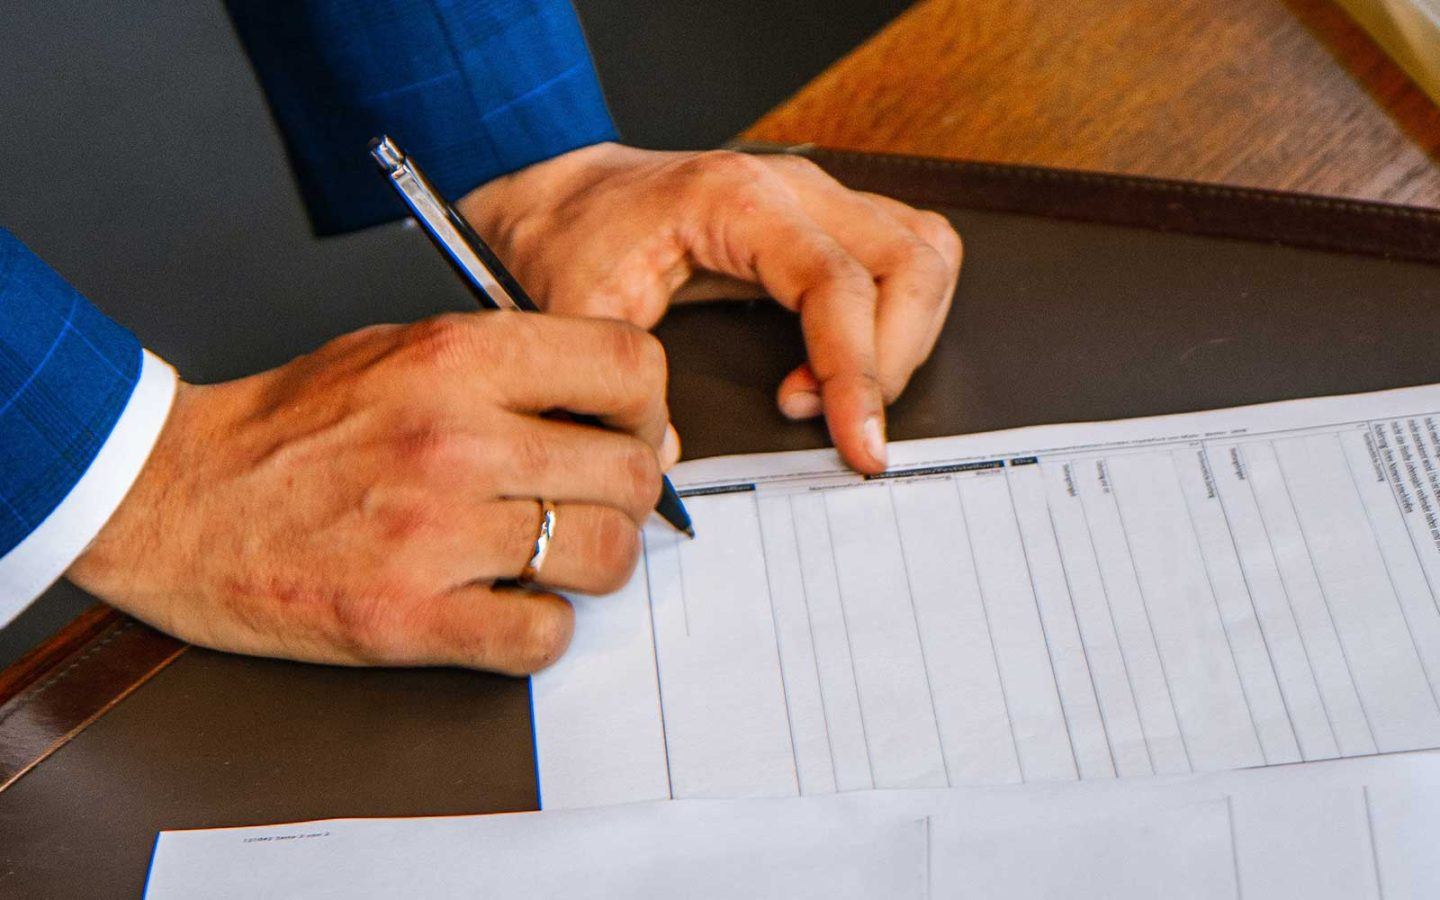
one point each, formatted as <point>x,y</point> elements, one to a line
<point>542,543</point>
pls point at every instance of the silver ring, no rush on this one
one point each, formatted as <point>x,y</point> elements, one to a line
<point>542,543</point>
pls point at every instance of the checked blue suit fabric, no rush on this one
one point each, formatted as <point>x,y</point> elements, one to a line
<point>65,374</point>
<point>473,88</point>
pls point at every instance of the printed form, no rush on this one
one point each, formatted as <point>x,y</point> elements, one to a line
<point>1186,593</point>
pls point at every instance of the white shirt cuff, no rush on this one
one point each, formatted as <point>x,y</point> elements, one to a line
<point>44,555</point>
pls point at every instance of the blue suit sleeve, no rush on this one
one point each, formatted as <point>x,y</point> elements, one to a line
<point>473,88</point>
<point>66,373</point>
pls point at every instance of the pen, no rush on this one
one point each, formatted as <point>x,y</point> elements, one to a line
<point>481,270</point>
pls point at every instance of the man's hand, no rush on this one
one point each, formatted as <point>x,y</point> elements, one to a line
<point>617,232</point>
<point>357,505</point>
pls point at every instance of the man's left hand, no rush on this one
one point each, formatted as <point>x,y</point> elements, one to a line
<point>617,232</point>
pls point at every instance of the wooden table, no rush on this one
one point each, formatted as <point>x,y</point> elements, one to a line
<point>1281,94</point>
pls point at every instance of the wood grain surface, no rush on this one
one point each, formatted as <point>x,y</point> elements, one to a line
<point>1279,94</point>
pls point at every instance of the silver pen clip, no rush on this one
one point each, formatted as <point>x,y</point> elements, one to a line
<point>435,217</point>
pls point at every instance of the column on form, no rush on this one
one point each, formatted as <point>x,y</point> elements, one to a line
<point>955,630</point>
<point>1166,746</point>
<point>1028,678</point>
<point>1269,593</point>
<point>1109,668</point>
<point>727,731</point>
<point>1397,490</point>
<point>1195,653</point>
<point>1236,606</point>
<point>1358,589</point>
<point>1084,725</point>
<point>1323,652</point>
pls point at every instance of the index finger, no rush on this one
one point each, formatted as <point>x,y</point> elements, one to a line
<point>915,276</point>
<point>598,367</point>
<point>808,271</point>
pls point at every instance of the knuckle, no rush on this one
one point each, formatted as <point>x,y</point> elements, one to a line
<point>627,349</point>
<point>488,459</point>
<point>401,522</point>
<point>639,354</point>
<point>523,334</point>
<point>529,454</point>
<point>642,474</point>
<point>516,528</point>
<point>892,385</point>
<point>366,628</point>
<point>843,273</point>
<point>543,636</point>
<point>442,340</point>
<point>925,260</point>
<point>478,342</point>
<point>360,337</point>
<point>728,165</point>
<point>747,198</point>
<point>426,448</point>
<point>615,551</point>
<point>795,165</point>
<point>936,230</point>
<point>732,180</point>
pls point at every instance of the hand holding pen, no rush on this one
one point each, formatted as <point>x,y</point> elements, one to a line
<point>495,288</point>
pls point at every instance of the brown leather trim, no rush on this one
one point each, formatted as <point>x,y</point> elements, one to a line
<point>1299,220</point>
<point>40,661</point>
<point>58,689</point>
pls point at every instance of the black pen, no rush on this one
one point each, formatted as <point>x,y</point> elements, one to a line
<point>480,269</point>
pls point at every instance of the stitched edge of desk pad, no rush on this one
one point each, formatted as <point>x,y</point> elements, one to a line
<point>1301,220</point>
<point>66,692</point>
<point>63,692</point>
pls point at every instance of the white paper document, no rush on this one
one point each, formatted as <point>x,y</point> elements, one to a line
<point>765,849</point>
<point>873,844</point>
<point>1189,593</point>
<point>1341,830</point>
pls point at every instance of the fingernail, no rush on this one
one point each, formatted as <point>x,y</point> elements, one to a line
<point>874,432</point>
<point>801,405</point>
<point>670,447</point>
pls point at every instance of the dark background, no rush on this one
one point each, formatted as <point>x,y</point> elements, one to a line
<point>139,161</point>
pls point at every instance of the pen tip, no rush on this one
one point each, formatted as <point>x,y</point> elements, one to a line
<point>690,530</point>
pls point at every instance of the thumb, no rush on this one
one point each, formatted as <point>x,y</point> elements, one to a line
<point>637,293</point>
<point>799,394</point>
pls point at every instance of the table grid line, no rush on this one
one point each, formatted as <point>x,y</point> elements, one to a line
<point>1215,600</point>
<point>919,639</point>
<point>1325,597</point>
<point>1290,605</point>
<point>1255,612</point>
<point>814,647</point>
<point>850,647</point>
<point>1114,626</point>
<point>990,632</point>
<point>779,656</point>
<point>1084,645</point>
<point>1149,621</point>
<point>1389,574</point>
<point>659,681</point>
<point>1044,632</point>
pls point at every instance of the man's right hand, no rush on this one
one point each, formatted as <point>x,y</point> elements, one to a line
<point>357,505</point>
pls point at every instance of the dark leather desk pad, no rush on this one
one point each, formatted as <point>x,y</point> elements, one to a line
<point>1056,319</point>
